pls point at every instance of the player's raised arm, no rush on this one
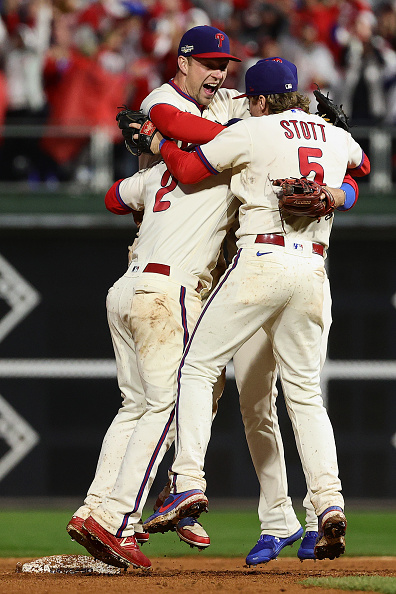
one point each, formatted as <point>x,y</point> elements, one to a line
<point>182,125</point>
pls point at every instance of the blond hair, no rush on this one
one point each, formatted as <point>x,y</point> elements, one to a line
<point>283,101</point>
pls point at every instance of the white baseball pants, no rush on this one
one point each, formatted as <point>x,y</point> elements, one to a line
<point>282,292</point>
<point>255,376</point>
<point>150,328</point>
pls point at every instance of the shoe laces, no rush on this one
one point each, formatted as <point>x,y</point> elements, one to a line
<point>188,522</point>
<point>268,538</point>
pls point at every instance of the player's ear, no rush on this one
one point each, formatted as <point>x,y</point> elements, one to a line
<point>263,105</point>
<point>182,62</point>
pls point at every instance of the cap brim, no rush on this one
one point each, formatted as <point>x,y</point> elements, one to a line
<point>216,55</point>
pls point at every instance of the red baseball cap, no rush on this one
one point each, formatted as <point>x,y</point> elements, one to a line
<point>205,41</point>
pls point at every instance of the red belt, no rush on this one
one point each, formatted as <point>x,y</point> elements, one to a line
<point>275,239</point>
<point>165,270</point>
<point>158,269</point>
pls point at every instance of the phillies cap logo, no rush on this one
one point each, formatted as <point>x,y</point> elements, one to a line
<point>220,39</point>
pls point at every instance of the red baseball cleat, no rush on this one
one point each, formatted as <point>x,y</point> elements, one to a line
<point>193,533</point>
<point>78,533</point>
<point>120,552</point>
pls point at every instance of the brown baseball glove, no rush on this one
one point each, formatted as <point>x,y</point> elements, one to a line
<point>304,198</point>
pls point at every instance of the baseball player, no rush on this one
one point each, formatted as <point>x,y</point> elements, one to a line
<point>190,108</point>
<point>203,82</point>
<point>182,109</point>
<point>275,282</point>
<point>152,310</point>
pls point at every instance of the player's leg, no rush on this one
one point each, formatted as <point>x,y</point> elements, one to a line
<point>306,550</point>
<point>255,375</point>
<point>298,354</point>
<point>133,403</point>
<point>159,323</point>
<point>234,312</point>
<point>120,430</point>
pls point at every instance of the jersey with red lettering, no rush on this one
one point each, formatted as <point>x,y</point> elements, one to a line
<point>301,145</point>
<point>183,226</point>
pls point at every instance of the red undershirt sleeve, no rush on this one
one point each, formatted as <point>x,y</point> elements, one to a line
<point>114,202</point>
<point>187,168</point>
<point>363,169</point>
<point>182,125</point>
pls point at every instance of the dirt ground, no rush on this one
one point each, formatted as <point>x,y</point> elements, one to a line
<point>196,574</point>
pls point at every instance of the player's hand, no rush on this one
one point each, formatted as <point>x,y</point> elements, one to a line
<point>338,195</point>
<point>154,146</point>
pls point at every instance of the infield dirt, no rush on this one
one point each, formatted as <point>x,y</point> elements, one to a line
<point>196,574</point>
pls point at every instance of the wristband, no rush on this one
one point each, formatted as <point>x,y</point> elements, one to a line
<point>350,197</point>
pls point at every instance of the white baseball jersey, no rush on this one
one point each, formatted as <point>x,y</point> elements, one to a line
<point>183,226</point>
<point>222,108</point>
<point>291,144</point>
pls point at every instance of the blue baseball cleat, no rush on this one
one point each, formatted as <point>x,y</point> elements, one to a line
<point>331,534</point>
<point>181,505</point>
<point>306,550</point>
<point>268,547</point>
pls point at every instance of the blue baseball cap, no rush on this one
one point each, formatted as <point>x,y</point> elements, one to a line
<point>270,76</point>
<point>205,41</point>
<point>292,66</point>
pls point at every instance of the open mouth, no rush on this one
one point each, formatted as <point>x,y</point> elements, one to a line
<point>210,88</point>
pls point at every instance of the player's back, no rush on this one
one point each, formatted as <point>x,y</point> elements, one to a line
<point>184,226</point>
<point>289,144</point>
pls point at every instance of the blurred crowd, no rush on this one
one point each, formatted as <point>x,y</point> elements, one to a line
<point>74,62</point>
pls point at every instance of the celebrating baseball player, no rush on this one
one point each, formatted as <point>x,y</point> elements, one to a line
<point>212,71</point>
<point>152,310</point>
<point>118,435</point>
<point>275,282</point>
